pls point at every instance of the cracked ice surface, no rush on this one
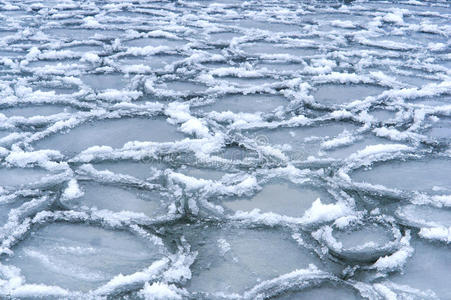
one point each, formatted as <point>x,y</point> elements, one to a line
<point>225,149</point>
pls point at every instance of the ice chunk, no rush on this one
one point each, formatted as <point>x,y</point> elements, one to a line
<point>105,81</point>
<point>323,291</point>
<point>87,49</point>
<point>424,215</point>
<point>280,67</point>
<point>223,37</point>
<point>266,25</point>
<point>441,129</point>
<point>281,198</point>
<point>160,291</point>
<point>302,141</point>
<point>355,146</point>
<point>427,268</point>
<point>254,255</point>
<point>346,93</point>
<point>81,34</point>
<point>247,82</point>
<point>155,62</point>
<point>112,132</point>
<point>203,173</point>
<point>113,198</point>
<point>81,257</point>
<point>138,169</point>
<point>36,110</point>
<point>6,206</point>
<point>383,115</point>
<point>16,177</point>
<point>11,54</point>
<point>270,48</point>
<point>423,175</point>
<point>185,87</point>
<point>369,235</point>
<point>249,103</point>
<point>142,42</point>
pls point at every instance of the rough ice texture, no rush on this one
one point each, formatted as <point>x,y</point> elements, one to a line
<point>177,110</point>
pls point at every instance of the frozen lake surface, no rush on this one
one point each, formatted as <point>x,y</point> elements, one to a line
<point>225,149</point>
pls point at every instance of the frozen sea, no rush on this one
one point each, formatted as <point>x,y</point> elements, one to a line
<point>225,149</point>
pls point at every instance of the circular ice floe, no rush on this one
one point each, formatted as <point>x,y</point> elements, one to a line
<point>15,178</point>
<point>424,215</point>
<point>235,260</point>
<point>302,142</point>
<point>67,258</point>
<point>283,198</point>
<point>424,175</point>
<point>333,94</point>
<point>111,132</point>
<point>21,176</point>
<point>36,110</point>
<point>434,223</point>
<point>330,290</point>
<point>138,169</point>
<point>117,199</point>
<point>249,103</point>
<point>362,242</point>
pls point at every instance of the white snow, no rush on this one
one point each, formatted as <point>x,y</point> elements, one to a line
<point>320,212</point>
<point>159,291</point>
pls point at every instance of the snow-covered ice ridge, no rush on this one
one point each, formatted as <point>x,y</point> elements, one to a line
<point>225,150</point>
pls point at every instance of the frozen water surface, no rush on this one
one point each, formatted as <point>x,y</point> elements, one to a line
<point>423,215</point>
<point>338,94</point>
<point>157,62</point>
<point>268,26</point>
<point>6,207</point>
<point>268,48</point>
<point>220,37</point>
<point>225,149</point>
<point>52,63</point>
<point>246,103</point>
<point>234,260</point>
<point>369,234</point>
<point>347,149</point>
<point>21,176</point>
<point>184,86</point>
<point>202,173</point>
<point>138,169</point>
<point>105,81</point>
<point>383,115</point>
<point>36,110</point>
<point>441,129</point>
<point>280,67</point>
<point>11,54</point>
<point>301,142</point>
<point>417,175</point>
<point>80,34</point>
<point>246,82</point>
<point>118,199</point>
<point>85,48</point>
<point>114,133</point>
<point>281,198</point>
<point>143,42</point>
<point>325,291</point>
<point>81,257</point>
<point>427,276</point>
